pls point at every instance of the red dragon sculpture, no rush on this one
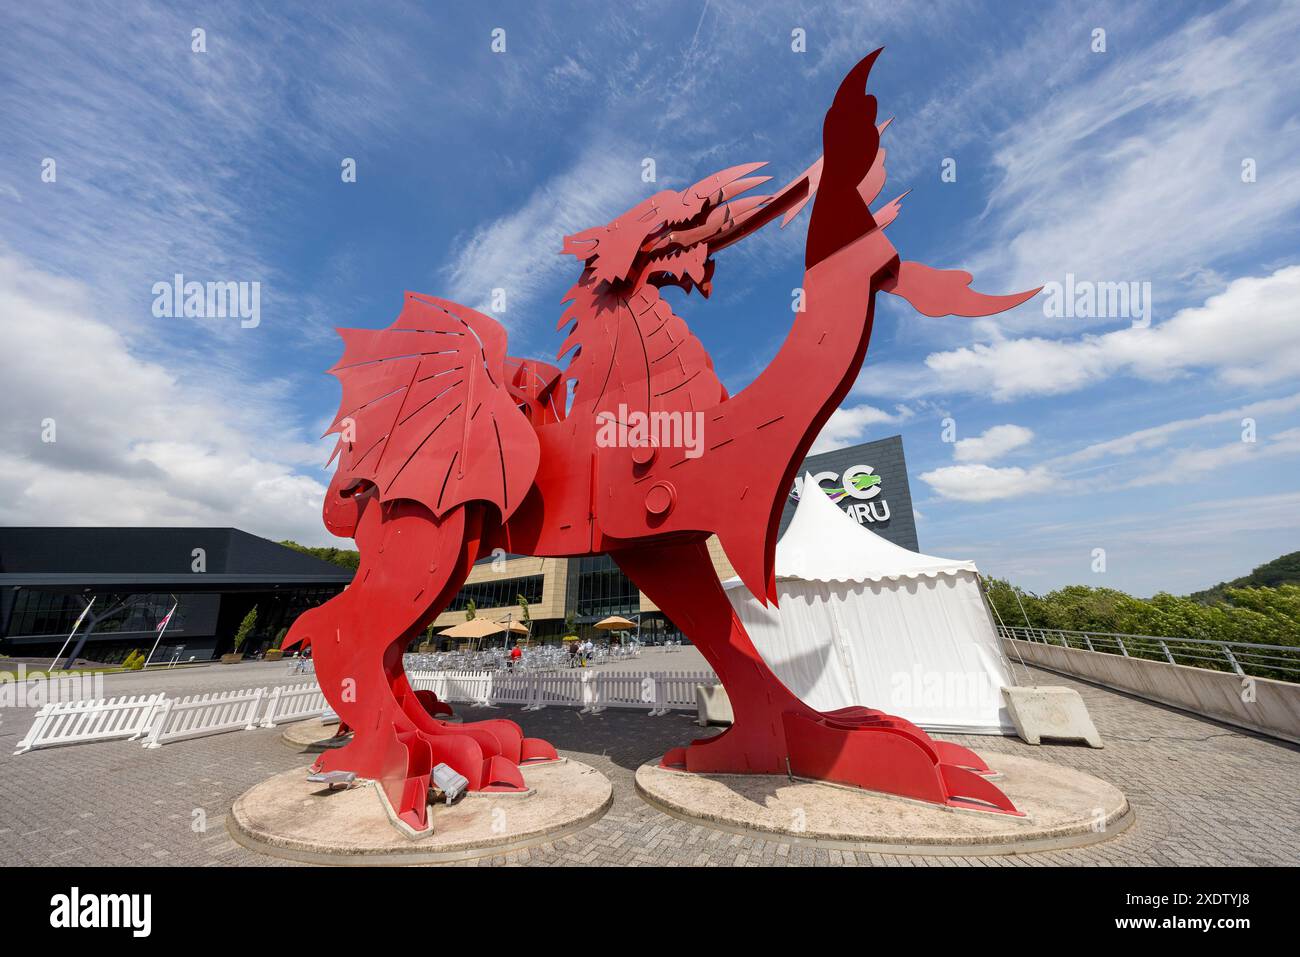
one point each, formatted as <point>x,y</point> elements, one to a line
<point>449,449</point>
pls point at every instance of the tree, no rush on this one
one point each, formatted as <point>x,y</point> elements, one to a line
<point>471,610</point>
<point>245,628</point>
<point>343,557</point>
<point>1262,615</point>
<point>524,618</point>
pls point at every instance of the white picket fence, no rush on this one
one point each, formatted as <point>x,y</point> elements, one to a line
<point>197,715</point>
<point>69,722</point>
<point>656,692</point>
<point>294,703</point>
<point>161,720</point>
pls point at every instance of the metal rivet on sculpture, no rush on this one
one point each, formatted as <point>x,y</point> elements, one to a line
<point>449,448</point>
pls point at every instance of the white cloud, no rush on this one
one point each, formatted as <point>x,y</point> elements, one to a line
<point>983,483</point>
<point>1246,335</point>
<point>993,443</point>
<point>136,442</point>
<point>1123,166</point>
<point>848,425</point>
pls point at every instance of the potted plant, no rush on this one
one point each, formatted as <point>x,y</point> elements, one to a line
<point>427,645</point>
<point>275,652</point>
<point>241,635</point>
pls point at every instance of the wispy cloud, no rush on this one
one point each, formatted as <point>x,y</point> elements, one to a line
<point>1137,173</point>
<point>520,251</point>
<point>1159,436</point>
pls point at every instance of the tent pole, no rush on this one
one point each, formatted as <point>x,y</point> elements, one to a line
<point>994,608</point>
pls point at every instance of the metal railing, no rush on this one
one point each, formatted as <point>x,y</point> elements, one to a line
<point>1281,662</point>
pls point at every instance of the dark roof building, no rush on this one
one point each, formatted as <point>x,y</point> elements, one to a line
<point>213,576</point>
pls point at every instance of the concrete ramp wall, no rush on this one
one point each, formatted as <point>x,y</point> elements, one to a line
<point>1257,704</point>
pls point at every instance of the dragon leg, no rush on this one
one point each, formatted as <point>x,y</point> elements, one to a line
<point>358,639</point>
<point>773,731</point>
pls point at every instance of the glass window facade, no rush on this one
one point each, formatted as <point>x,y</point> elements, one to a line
<point>604,590</point>
<point>41,612</point>
<point>499,593</point>
<point>119,622</point>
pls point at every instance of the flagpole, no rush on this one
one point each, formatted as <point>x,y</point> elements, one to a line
<point>166,621</point>
<point>75,626</point>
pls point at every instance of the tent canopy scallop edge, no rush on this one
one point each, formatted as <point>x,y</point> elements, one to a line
<point>823,543</point>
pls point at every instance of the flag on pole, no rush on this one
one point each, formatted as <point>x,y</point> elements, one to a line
<point>162,626</point>
<point>84,612</point>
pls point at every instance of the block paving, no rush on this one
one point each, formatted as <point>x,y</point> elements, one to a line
<point>1203,793</point>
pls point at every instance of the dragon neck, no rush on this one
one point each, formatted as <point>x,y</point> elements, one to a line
<point>827,342</point>
<point>593,317</point>
<point>819,361</point>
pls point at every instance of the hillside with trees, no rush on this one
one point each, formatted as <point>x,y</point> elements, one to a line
<point>1280,571</point>
<point>1262,607</point>
<point>348,558</point>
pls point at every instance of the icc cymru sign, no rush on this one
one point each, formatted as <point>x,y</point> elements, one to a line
<point>869,482</point>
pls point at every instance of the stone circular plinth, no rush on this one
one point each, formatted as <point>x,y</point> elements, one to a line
<point>314,736</point>
<point>1062,807</point>
<point>287,816</point>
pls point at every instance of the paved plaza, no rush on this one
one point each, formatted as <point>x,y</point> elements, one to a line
<point>1202,793</point>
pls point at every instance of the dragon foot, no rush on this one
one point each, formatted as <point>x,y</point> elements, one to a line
<point>893,756</point>
<point>725,753</point>
<point>432,706</point>
<point>860,747</point>
<point>488,753</point>
<point>398,760</point>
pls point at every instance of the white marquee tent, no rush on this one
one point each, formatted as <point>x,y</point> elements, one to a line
<point>863,621</point>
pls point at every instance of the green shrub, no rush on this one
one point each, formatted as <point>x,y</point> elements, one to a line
<point>245,628</point>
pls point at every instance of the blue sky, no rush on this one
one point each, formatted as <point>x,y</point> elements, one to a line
<point>1073,434</point>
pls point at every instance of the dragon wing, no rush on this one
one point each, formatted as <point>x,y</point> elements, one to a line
<point>426,413</point>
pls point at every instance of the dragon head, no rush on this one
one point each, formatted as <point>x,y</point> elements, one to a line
<point>669,239</point>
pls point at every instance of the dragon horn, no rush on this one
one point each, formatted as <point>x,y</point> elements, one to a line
<point>736,187</point>
<point>712,184</point>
